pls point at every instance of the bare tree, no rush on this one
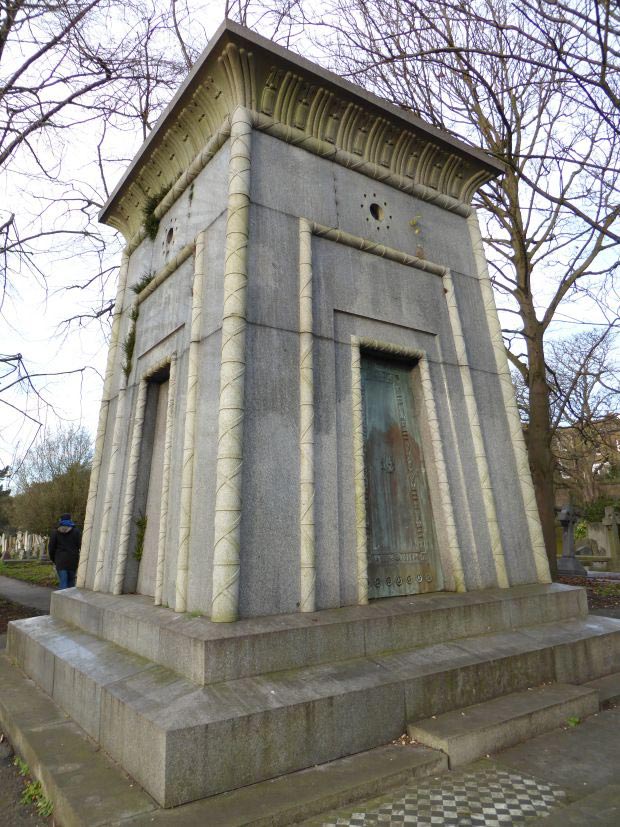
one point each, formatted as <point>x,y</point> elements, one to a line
<point>500,76</point>
<point>585,411</point>
<point>76,72</point>
<point>81,82</point>
<point>54,454</point>
<point>53,480</point>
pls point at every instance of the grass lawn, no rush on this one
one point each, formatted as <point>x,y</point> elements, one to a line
<point>32,571</point>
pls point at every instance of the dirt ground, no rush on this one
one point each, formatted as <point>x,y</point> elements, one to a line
<point>13,611</point>
<point>12,785</point>
<point>602,594</point>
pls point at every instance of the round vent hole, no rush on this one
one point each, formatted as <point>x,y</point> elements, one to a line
<point>376,210</point>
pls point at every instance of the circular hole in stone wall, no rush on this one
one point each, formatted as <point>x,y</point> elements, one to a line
<point>376,210</point>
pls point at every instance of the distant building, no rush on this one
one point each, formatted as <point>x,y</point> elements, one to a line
<point>587,461</point>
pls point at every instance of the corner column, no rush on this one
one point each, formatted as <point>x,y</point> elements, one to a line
<point>514,421</point>
<point>484,476</point>
<point>102,424</point>
<point>226,551</point>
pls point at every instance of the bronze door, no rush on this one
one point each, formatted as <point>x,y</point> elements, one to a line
<point>402,548</point>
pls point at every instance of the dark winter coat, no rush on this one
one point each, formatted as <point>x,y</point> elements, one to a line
<point>64,547</point>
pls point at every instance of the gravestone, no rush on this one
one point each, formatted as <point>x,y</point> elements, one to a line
<point>568,564</point>
<point>611,524</point>
<point>310,477</point>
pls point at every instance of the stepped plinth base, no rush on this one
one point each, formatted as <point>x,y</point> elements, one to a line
<point>191,708</point>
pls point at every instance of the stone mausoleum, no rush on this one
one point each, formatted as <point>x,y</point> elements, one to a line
<point>311,519</point>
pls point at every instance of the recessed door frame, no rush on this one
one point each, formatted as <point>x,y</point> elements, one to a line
<point>434,459</point>
<point>126,572</point>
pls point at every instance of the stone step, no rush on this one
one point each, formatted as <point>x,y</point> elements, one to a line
<point>183,742</point>
<point>207,652</point>
<point>608,688</point>
<point>467,734</point>
<point>89,790</point>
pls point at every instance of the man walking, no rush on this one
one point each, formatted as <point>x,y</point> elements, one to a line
<point>64,550</point>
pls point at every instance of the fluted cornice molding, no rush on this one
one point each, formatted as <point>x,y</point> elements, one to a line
<point>298,102</point>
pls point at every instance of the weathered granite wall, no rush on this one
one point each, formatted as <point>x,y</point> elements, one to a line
<point>275,266</point>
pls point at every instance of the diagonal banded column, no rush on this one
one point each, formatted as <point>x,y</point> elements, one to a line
<point>307,601</point>
<point>482,465</point>
<point>225,603</point>
<point>102,423</point>
<point>359,486</point>
<point>514,422</point>
<point>165,487</point>
<point>189,434</point>
<point>130,490</point>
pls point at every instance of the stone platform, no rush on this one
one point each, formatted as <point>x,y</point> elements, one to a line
<point>191,708</point>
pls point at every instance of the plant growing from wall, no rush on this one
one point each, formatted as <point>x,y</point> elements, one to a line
<point>151,221</point>
<point>130,341</point>
<point>141,525</point>
<point>144,280</point>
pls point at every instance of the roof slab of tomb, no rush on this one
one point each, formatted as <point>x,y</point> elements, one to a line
<point>298,102</point>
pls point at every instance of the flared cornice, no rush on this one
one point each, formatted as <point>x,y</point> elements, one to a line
<point>301,103</point>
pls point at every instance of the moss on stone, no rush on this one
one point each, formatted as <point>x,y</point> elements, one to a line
<point>140,534</point>
<point>130,342</point>
<point>143,282</point>
<point>151,222</point>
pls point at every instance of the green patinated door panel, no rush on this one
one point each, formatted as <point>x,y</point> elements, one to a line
<point>402,547</point>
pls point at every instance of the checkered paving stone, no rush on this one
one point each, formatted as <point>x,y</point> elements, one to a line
<point>487,798</point>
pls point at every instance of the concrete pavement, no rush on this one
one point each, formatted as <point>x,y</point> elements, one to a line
<point>566,778</point>
<point>26,594</point>
<point>37,597</point>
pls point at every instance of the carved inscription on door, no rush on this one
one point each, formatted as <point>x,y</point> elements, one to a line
<point>402,548</point>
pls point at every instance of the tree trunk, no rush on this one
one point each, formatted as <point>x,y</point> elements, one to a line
<point>539,440</point>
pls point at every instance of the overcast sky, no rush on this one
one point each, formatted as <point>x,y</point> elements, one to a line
<point>33,311</point>
<point>34,308</point>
